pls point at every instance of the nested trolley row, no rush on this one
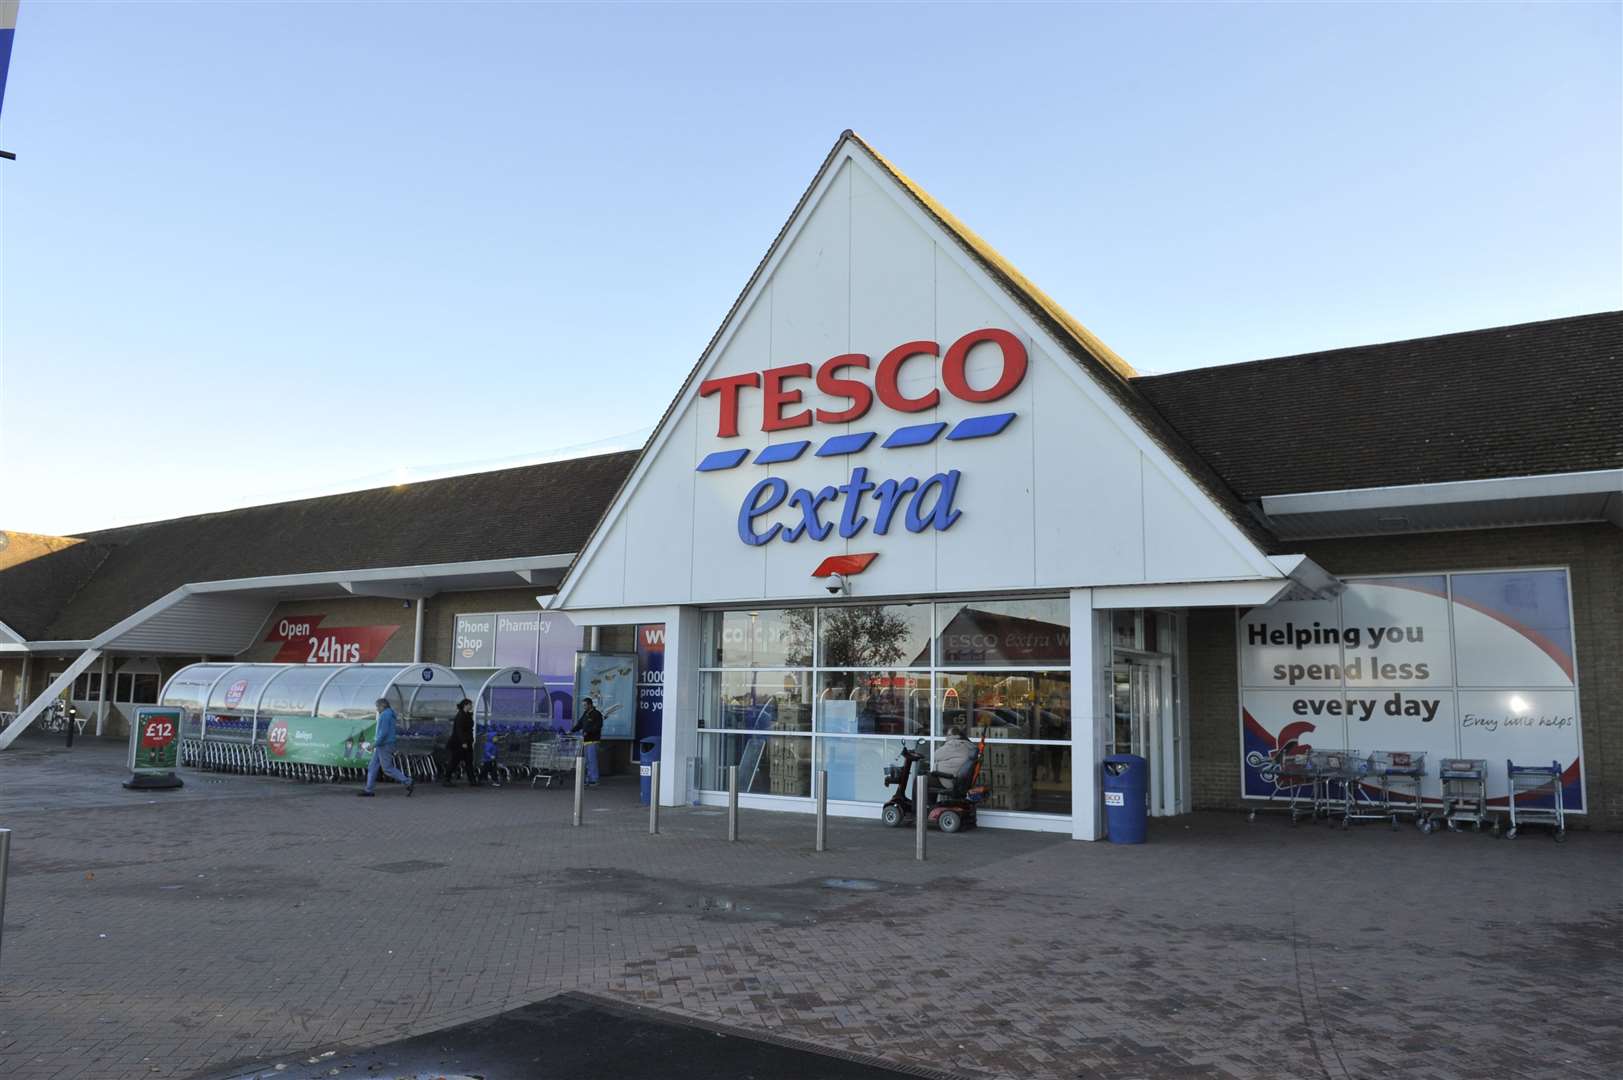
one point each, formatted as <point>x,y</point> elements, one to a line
<point>1385,785</point>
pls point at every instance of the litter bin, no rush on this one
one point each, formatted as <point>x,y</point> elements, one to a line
<point>1127,798</point>
<point>647,753</point>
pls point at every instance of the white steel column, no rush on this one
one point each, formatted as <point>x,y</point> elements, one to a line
<point>22,687</point>
<point>417,635</point>
<point>106,695</point>
<point>679,722</point>
<point>1090,714</point>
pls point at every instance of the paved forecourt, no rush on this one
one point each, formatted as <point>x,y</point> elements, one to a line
<point>245,921</point>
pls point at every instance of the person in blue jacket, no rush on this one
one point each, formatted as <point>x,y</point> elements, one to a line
<point>383,752</point>
<point>487,770</point>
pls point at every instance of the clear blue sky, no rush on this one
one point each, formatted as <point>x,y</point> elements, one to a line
<point>258,251</point>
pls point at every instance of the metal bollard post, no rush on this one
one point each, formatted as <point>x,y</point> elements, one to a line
<point>653,801</point>
<point>580,787</point>
<point>732,803</point>
<point>822,810</point>
<point>5,868</point>
<point>921,814</point>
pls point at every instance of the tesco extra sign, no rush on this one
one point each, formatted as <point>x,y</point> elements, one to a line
<point>859,503</point>
<point>833,378</point>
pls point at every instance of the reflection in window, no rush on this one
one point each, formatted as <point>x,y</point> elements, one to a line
<point>756,700</point>
<point>766,638</point>
<point>998,633</point>
<point>1031,778</point>
<point>856,767</point>
<point>873,702</point>
<point>865,637</point>
<point>767,764</point>
<point>1006,705</point>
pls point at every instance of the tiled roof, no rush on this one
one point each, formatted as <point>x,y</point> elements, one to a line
<point>536,510</point>
<point>1544,397</point>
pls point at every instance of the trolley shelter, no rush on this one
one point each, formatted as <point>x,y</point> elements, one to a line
<point>314,713</point>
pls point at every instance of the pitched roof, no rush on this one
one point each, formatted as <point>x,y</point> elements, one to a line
<point>1110,371</point>
<point>1543,397</point>
<point>546,509</point>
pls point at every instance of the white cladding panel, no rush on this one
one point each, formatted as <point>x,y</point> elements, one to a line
<point>1069,494</point>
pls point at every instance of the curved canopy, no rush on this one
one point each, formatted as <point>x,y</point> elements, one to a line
<point>507,697</point>
<point>343,691</point>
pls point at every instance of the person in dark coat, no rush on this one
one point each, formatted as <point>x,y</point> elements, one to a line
<point>590,726</point>
<point>459,749</point>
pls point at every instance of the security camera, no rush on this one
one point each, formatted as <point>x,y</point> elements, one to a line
<point>838,585</point>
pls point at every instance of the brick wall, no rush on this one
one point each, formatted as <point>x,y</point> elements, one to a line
<point>1594,554</point>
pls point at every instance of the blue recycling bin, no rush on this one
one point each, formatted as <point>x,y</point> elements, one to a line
<point>1127,798</point>
<point>647,754</point>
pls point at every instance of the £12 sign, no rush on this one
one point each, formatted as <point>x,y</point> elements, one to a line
<point>917,503</point>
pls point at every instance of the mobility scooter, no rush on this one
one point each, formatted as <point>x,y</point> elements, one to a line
<point>952,798</point>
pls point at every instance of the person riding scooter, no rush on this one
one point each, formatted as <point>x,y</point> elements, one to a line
<point>953,758</point>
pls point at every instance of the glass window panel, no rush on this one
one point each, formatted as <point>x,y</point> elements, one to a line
<point>1007,705</point>
<point>754,639</point>
<point>893,635</point>
<point>873,702</point>
<point>1005,633</point>
<point>123,684</point>
<point>856,767</point>
<point>145,689</point>
<point>1124,629</point>
<point>767,764</point>
<point>756,700</point>
<point>1036,779</point>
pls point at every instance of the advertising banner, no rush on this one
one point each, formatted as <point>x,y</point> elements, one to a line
<point>155,747</point>
<point>650,679</point>
<point>320,740</point>
<point>610,680</point>
<point>1476,665</point>
<point>304,640</point>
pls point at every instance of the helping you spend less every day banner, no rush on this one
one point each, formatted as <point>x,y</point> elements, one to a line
<point>1473,665</point>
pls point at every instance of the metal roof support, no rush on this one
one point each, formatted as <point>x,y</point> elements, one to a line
<point>40,704</point>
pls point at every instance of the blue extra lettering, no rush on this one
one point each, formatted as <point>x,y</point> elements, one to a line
<point>890,499</point>
<point>941,515</point>
<point>810,524</point>
<point>854,489</point>
<point>930,507</point>
<point>775,491</point>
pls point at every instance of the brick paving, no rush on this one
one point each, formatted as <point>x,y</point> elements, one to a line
<point>249,920</point>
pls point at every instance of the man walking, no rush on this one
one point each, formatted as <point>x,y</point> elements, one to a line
<point>590,726</point>
<point>383,752</point>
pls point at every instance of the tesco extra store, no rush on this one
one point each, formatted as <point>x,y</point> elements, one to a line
<point>903,491</point>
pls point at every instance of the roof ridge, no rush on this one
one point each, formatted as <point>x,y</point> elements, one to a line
<point>104,537</point>
<point>1324,353</point>
<point>1087,338</point>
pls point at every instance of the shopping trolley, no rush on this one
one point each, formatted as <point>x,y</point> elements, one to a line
<point>1536,781</point>
<point>1400,772</point>
<point>1465,793</point>
<point>552,758</point>
<point>1292,770</point>
<point>1334,772</point>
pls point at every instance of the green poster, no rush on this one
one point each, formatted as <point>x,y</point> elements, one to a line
<point>320,740</point>
<point>157,740</point>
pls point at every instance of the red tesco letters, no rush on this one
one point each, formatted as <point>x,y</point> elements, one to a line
<point>776,395</point>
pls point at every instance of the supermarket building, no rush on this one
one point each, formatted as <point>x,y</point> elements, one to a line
<point>903,491</point>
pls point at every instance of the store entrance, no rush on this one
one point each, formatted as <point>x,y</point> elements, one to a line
<point>1146,723</point>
